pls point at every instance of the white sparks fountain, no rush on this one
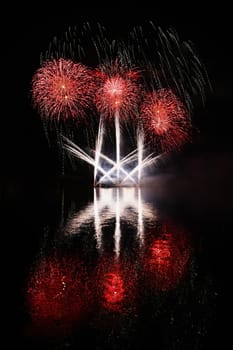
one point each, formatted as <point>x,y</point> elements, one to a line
<point>117,174</point>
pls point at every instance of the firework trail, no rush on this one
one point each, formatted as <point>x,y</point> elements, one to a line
<point>147,161</point>
<point>140,143</point>
<point>98,147</point>
<point>81,154</point>
<point>131,157</point>
<point>118,145</point>
<point>169,62</point>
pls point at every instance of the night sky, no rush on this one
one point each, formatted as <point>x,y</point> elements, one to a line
<point>28,163</point>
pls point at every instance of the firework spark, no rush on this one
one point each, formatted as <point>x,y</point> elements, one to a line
<point>117,94</point>
<point>62,89</point>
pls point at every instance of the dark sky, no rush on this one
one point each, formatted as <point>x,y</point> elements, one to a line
<point>24,145</point>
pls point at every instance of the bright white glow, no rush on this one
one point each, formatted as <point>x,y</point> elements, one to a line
<point>149,160</point>
<point>117,174</point>
<point>118,145</point>
<point>98,148</point>
<point>140,154</point>
<point>140,230</point>
<point>131,157</point>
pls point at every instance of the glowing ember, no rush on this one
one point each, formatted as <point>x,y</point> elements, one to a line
<point>62,89</point>
<point>165,119</point>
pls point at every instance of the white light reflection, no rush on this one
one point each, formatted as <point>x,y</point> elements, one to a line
<point>117,235</point>
<point>113,205</point>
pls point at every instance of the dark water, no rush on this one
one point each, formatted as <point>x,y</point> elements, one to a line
<point>121,268</point>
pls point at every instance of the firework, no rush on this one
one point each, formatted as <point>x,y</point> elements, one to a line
<point>119,92</point>
<point>150,81</point>
<point>62,89</point>
<point>165,119</point>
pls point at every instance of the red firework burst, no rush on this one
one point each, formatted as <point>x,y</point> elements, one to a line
<point>57,295</point>
<point>118,92</point>
<point>165,119</point>
<point>62,89</point>
<point>166,260</point>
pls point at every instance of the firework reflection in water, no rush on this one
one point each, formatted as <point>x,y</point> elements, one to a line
<point>143,278</point>
<point>166,257</point>
<point>57,295</point>
<point>114,206</point>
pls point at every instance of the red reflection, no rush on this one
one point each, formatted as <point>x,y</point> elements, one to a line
<point>116,282</point>
<point>166,259</point>
<point>113,291</point>
<point>57,294</point>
